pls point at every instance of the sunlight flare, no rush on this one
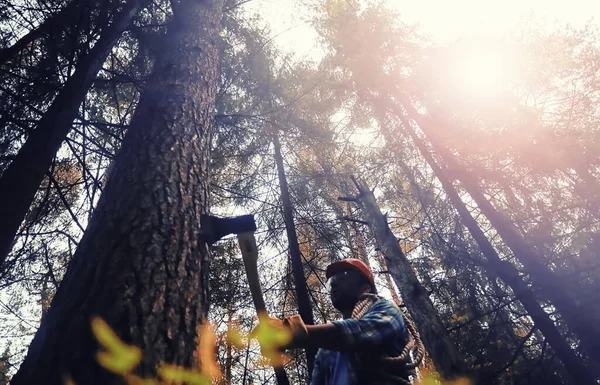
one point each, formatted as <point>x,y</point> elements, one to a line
<point>483,72</point>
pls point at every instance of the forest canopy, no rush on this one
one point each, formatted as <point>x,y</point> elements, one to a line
<point>463,169</point>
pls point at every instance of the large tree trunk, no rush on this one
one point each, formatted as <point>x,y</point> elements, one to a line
<point>506,271</point>
<point>443,353</point>
<point>302,297</point>
<point>140,265</point>
<point>21,180</point>
<point>568,305</point>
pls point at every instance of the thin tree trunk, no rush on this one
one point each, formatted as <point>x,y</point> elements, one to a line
<point>388,279</point>
<point>505,325</point>
<point>140,265</point>
<point>567,304</point>
<point>506,271</point>
<point>302,296</point>
<point>228,349</point>
<point>361,246</point>
<point>443,353</point>
<point>340,211</point>
<point>356,240</point>
<point>22,178</point>
<point>54,21</point>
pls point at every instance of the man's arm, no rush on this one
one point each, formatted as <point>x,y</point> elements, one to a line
<point>326,336</point>
<point>382,322</point>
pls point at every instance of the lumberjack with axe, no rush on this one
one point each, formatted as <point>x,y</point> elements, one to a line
<point>367,347</point>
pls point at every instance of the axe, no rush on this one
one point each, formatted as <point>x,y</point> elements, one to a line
<point>213,229</point>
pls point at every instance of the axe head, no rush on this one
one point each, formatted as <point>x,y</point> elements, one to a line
<point>213,228</point>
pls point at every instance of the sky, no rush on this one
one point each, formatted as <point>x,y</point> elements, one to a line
<point>477,73</point>
<point>442,20</point>
<point>457,18</point>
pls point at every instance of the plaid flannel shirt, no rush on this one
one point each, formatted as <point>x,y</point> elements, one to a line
<point>380,332</point>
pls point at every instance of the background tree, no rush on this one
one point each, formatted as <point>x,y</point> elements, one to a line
<point>41,146</point>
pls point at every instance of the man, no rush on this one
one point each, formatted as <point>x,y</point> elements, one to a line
<point>359,349</point>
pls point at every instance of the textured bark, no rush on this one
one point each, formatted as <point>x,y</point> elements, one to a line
<point>302,297</point>
<point>140,265</point>
<point>21,180</point>
<point>569,305</point>
<point>507,272</point>
<point>442,351</point>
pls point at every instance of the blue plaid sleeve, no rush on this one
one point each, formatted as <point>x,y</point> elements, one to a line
<point>382,322</point>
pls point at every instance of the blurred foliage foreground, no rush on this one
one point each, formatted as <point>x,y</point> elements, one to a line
<point>121,358</point>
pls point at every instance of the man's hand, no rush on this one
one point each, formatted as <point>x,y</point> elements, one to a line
<point>297,330</point>
<point>273,333</point>
<point>276,335</point>
<point>273,336</point>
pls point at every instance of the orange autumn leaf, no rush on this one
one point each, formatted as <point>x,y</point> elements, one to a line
<point>68,380</point>
<point>207,351</point>
<point>118,357</point>
<point>234,337</point>
<point>136,380</point>
<point>272,336</point>
<point>174,374</point>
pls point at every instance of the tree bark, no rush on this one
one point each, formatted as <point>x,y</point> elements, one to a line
<point>444,354</point>
<point>140,265</point>
<point>22,178</point>
<point>302,296</point>
<point>507,271</point>
<point>567,304</point>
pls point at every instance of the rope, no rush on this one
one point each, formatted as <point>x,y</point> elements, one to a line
<point>396,369</point>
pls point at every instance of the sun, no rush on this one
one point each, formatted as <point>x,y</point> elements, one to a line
<point>480,71</point>
<point>483,73</point>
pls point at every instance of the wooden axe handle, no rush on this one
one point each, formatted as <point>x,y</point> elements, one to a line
<point>250,255</point>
